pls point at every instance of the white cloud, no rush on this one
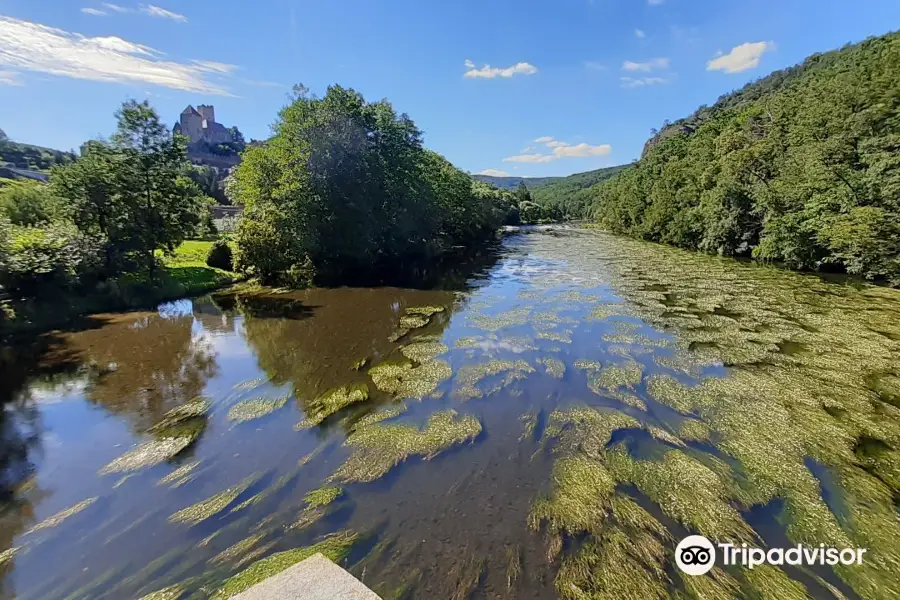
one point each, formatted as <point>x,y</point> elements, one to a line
<point>116,7</point>
<point>94,12</point>
<point>211,66</point>
<point>155,11</point>
<point>741,58</point>
<point>646,67</point>
<point>10,78</point>
<point>594,65</point>
<point>639,33</point>
<point>635,82</point>
<point>489,72</point>
<point>527,149</point>
<point>560,150</point>
<point>33,47</point>
<point>581,150</point>
<point>493,173</point>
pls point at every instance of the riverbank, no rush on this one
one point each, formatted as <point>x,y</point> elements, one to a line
<point>183,274</point>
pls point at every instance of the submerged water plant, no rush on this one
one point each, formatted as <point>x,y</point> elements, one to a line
<point>249,410</point>
<point>333,401</point>
<point>150,453</point>
<point>213,505</point>
<point>470,375</point>
<point>378,448</point>
<point>403,380</point>
<point>56,519</point>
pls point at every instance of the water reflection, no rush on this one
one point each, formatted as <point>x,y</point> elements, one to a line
<point>437,441</point>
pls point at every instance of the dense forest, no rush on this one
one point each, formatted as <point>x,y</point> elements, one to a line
<point>569,196</point>
<point>26,156</point>
<point>801,167</point>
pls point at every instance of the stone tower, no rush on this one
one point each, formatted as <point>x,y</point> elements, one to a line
<point>208,112</point>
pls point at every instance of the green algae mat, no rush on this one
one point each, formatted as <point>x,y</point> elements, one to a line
<point>547,423</point>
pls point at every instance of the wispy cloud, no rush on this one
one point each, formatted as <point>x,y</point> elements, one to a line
<point>94,12</point>
<point>489,72</point>
<point>560,150</point>
<point>741,58</point>
<point>162,13</point>
<point>639,33</point>
<point>493,173</point>
<point>636,82</point>
<point>267,84</point>
<point>651,65</point>
<point>116,7</point>
<point>10,78</point>
<point>32,47</point>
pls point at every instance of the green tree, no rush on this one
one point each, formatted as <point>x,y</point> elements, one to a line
<point>165,205</point>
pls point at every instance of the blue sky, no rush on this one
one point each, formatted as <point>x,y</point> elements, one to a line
<point>483,79</point>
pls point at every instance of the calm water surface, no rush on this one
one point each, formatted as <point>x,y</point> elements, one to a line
<point>613,391</point>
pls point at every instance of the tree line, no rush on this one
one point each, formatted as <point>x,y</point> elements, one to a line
<point>346,185</point>
<point>801,168</point>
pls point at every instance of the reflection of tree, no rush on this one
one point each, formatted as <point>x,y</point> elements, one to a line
<point>144,365</point>
<point>208,312</point>
<point>312,339</point>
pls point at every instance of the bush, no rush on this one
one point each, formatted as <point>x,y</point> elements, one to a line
<point>37,259</point>
<point>220,256</point>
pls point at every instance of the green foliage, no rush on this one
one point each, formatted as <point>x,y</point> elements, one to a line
<point>219,256</point>
<point>801,167</point>
<point>345,184</point>
<point>567,197</point>
<point>35,158</point>
<point>30,203</point>
<point>35,259</point>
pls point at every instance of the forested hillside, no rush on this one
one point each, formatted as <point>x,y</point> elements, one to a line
<point>802,168</point>
<point>512,183</point>
<point>569,196</point>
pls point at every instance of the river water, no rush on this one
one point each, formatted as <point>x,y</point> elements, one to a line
<point>546,425</point>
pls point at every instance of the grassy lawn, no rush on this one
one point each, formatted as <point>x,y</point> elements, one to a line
<point>187,269</point>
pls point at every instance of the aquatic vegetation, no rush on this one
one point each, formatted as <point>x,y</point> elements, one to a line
<point>529,423</point>
<point>563,337</point>
<point>360,364</point>
<point>425,311</point>
<point>612,377</point>
<point>62,515</point>
<point>694,430</point>
<point>8,554</point>
<point>513,565</point>
<point>582,489</point>
<point>384,414</point>
<point>250,384</point>
<point>587,365</point>
<point>333,401</point>
<point>422,352</point>
<point>584,429</point>
<point>335,548</point>
<point>181,473</point>
<point>470,375</point>
<point>671,392</point>
<point>510,318</point>
<point>237,550</point>
<point>767,581</point>
<point>279,484</point>
<point>151,453</point>
<point>194,409</point>
<point>553,366</point>
<point>622,396</point>
<point>686,490</point>
<point>413,321</point>
<point>405,381</point>
<point>172,592</point>
<point>213,505</point>
<point>465,577</point>
<point>378,448</point>
<point>466,342</point>
<point>249,410</point>
<point>322,496</point>
<point>122,481</point>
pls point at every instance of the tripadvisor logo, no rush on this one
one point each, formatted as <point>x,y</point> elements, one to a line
<point>696,555</point>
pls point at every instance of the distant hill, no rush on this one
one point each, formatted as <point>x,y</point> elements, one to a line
<point>511,183</point>
<point>30,157</point>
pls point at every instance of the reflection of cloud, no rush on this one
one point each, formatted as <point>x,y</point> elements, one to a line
<point>33,47</point>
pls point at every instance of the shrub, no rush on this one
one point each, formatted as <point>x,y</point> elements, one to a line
<point>55,256</point>
<point>220,256</point>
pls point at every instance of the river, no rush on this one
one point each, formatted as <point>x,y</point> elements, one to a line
<point>548,424</point>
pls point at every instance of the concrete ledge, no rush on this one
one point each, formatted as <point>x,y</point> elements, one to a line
<point>315,578</point>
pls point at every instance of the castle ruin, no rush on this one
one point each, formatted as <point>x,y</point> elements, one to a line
<point>199,125</point>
